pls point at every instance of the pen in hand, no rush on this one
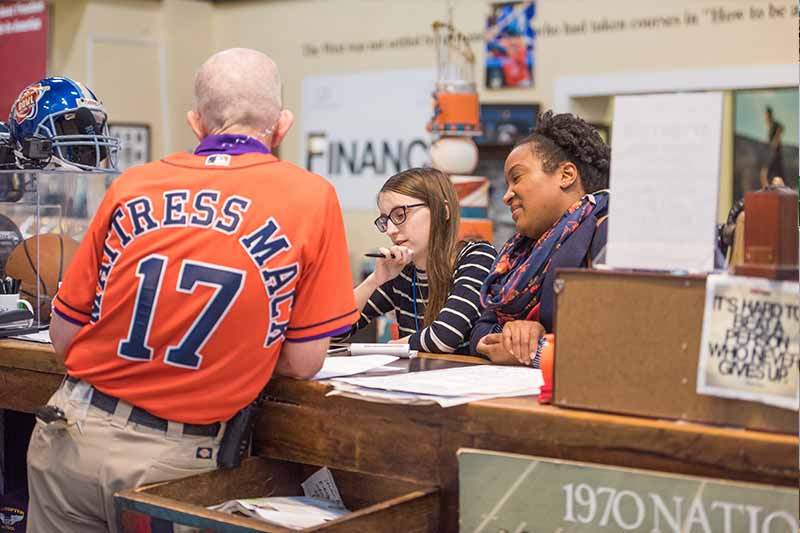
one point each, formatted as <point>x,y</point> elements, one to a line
<point>379,255</point>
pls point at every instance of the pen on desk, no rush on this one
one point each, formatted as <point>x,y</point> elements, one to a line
<point>343,349</point>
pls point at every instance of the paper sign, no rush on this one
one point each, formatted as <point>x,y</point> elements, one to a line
<point>359,128</point>
<point>665,164</point>
<point>750,347</point>
<point>321,485</point>
<point>516,493</point>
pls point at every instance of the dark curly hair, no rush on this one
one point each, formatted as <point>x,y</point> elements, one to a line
<point>566,137</point>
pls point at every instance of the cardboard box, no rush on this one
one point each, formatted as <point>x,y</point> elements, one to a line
<point>378,503</point>
<point>629,343</point>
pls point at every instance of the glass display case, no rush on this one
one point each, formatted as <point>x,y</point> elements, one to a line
<point>43,217</point>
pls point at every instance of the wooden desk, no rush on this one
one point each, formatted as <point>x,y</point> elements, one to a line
<point>419,443</point>
<point>29,374</point>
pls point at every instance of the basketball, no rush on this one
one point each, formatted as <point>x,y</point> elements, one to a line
<point>55,253</point>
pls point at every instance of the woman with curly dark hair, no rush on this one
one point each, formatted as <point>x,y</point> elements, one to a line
<point>557,181</point>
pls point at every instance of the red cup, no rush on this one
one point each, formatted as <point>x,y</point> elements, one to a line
<point>546,366</point>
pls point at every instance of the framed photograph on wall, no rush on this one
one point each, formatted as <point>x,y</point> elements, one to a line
<point>509,45</point>
<point>505,124</point>
<point>134,143</point>
<point>765,139</point>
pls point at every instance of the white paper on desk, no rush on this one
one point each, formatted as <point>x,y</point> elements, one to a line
<point>42,337</point>
<point>407,398</point>
<point>665,166</point>
<point>452,401</point>
<point>462,381</point>
<point>347,366</point>
<point>388,369</point>
<point>321,485</point>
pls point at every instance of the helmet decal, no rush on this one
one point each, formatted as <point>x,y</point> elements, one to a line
<point>27,103</point>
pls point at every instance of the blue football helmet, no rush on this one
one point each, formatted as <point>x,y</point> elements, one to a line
<point>60,123</point>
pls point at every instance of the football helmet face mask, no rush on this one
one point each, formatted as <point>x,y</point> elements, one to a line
<point>59,123</point>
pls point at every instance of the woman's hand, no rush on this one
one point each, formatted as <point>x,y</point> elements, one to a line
<point>395,260</point>
<point>404,340</point>
<point>521,339</point>
<point>491,346</point>
<point>488,343</point>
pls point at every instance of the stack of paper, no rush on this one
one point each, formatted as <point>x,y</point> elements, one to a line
<point>448,387</point>
<point>42,337</point>
<point>321,503</point>
<point>295,512</point>
<point>356,364</point>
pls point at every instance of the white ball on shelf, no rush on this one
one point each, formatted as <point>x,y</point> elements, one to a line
<point>455,155</point>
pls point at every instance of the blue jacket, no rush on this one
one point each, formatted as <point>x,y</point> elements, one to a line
<point>590,236</point>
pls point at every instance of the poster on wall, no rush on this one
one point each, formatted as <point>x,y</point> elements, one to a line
<point>23,48</point>
<point>765,139</point>
<point>506,123</point>
<point>134,140</point>
<point>360,128</point>
<point>509,45</point>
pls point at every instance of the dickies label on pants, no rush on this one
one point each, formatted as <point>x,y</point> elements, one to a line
<point>204,453</point>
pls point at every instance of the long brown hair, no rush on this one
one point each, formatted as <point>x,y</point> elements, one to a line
<point>435,189</point>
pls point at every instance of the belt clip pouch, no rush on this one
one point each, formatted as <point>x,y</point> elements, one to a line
<point>237,438</point>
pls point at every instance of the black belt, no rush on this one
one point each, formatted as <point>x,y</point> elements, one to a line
<point>108,403</point>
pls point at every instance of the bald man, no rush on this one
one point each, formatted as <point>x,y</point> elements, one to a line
<point>201,275</point>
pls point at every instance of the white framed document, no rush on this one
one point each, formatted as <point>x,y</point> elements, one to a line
<point>665,171</point>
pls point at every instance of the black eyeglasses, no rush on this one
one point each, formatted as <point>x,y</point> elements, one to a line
<point>397,215</point>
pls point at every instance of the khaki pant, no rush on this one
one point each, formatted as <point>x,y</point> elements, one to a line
<point>73,472</point>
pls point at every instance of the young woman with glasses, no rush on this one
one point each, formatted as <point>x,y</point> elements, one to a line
<point>430,279</point>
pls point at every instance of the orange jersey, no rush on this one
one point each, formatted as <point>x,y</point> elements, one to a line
<point>193,273</point>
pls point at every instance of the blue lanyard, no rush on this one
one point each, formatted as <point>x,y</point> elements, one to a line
<point>414,296</point>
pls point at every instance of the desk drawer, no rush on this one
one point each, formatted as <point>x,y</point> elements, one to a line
<point>378,503</point>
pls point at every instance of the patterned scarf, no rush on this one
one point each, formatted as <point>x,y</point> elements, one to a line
<point>514,286</point>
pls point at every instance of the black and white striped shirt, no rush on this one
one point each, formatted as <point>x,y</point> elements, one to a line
<point>449,332</point>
